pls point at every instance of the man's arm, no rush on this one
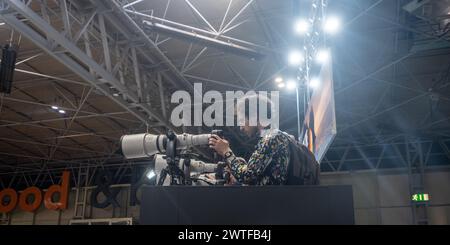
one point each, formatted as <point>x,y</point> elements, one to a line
<point>249,173</point>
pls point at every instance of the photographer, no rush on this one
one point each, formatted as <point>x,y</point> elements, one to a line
<point>268,165</point>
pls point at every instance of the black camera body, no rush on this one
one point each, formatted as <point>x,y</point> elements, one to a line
<point>176,174</point>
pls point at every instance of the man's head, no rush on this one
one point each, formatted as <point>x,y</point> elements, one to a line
<point>248,109</point>
<point>249,131</point>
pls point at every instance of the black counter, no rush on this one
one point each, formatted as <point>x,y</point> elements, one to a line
<point>268,205</point>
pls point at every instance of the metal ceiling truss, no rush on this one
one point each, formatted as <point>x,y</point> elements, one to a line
<point>60,46</point>
<point>95,68</point>
<point>211,37</point>
<point>386,152</point>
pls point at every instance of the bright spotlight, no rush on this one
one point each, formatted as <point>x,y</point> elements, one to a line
<point>62,111</point>
<point>55,107</point>
<point>314,83</point>
<point>302,26</point>
<point>150,174</point>
<point>291,84</point>
<point>279,80</point>
<point>332,25</point>
<point>281,85</point>
<point>295,58</point>
<point>323,56</point>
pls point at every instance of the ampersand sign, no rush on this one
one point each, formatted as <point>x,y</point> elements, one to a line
<point>104,181</point>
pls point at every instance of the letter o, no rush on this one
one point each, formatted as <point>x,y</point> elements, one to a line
<point>30,207</point>
<point>12,203</point>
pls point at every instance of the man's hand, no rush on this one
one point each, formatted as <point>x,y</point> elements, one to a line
<point>220,145</point>
<point>232,180</point>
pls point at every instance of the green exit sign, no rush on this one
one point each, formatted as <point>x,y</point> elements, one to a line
<point>420,197</point>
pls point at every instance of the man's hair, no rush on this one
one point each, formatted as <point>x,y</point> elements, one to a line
<point>243,105</point>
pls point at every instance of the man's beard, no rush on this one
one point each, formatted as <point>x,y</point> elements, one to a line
<point>252,135</point>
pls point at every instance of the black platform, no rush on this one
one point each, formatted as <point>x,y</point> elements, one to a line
<point>268,205</point>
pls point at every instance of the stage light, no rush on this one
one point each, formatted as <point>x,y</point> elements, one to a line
<point>295,58</point>
<point>150,174</point>
<point>332,25</point>
<point>279,80</point>
<point>302,26</point>
<point>323,56</point>
<point>291,84</point>
<point>281,85</point>
<point>55,107</point>
<point>314,83</point>
<point>62,111</point>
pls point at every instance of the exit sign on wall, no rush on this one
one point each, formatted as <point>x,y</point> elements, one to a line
<point>420,197</point>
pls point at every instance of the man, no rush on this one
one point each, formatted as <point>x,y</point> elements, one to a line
<point>269,162</point>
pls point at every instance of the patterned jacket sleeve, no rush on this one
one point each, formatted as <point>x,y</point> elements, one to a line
<point>249,173</point>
